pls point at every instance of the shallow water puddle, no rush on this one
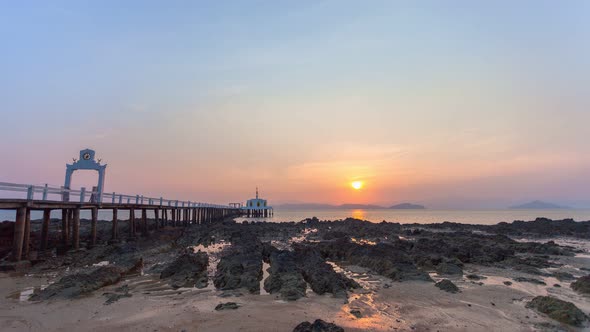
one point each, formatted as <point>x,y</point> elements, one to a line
<point>363,241</point>
<point>103,263</point>
<point>25,293</point>
<point>265,275</point>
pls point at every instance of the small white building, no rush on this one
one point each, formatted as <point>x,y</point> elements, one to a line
<point>258,207</point>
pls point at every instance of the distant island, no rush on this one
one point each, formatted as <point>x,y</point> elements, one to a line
<point>537,205</point>
<point>408,206</point>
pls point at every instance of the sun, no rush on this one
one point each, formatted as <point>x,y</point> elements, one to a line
<point>357,184</point>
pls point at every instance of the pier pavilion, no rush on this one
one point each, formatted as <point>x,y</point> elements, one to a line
<point>258,207</point>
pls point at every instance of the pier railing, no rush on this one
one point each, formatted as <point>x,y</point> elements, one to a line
<point>62,194</point>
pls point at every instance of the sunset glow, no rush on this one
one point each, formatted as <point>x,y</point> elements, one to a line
<point>452,121</point>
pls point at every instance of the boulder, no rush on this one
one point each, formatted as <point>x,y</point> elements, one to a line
<point>318,326</point>
<point>320,275</point>
<point>530,280</point>
<point>448,269</point>
<point>75,285</point>
<point>582,285</point>
<point>187,270</point>
<point>562,311</point>
<point>285,277</point>
<point>241,264</point>
<point>227,306</point>
<point>447,286</point>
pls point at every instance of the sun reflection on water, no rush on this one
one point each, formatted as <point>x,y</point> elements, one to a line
<point>358,214</point>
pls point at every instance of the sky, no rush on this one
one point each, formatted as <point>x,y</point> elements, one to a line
<point>452,104</point>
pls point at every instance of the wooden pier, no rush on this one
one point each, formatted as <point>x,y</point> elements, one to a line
<point>166,213</point>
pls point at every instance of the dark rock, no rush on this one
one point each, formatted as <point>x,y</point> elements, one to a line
<point>79,284</point>
<point>448,269</point>
<point>562,311</point>
<point>187,270</point>
<point>475,277</point>
<point>530,280</point>
<point>447,286</point>
<point>285,277</point>
<point>114,297</point>
<point>318,326</point>
<point>563,276</point>
<point>390,260</point>
<point>507,283</point>
<point>241,265</point>
<point>582,285</point>
<point>557,285</point>
<point>227,306</point>
<point>356,313</point>
<point>320,275</point>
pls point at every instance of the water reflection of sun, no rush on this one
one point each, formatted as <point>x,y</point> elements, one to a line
<point>358,214</point>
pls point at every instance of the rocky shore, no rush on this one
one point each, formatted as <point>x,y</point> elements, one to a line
<point>332,275</point>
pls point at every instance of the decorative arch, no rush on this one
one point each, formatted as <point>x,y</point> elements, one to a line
<point>86,162</point>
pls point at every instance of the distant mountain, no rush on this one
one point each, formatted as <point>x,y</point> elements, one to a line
<point>534,205</point>
<point>408,206</point>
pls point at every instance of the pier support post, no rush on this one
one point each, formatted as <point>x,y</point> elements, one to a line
<point>71,223</point>
<point>65,228</point>
<point>114,226</point>
<point>27,237</point>
<point>76,229</point>
<point>144,225</point>
<point>132,223</point>
<point>173,213</point>
<point>45,229</point>
<point>94,216</point>
<point>157,217</point>
<point>164,217</point>
<point>19,234</point>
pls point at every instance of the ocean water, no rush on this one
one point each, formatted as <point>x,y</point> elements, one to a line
<point>486,217</point>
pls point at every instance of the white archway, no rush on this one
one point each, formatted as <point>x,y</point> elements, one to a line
<point>86,162</point>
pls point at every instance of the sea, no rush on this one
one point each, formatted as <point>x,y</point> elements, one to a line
<point>484,217</point>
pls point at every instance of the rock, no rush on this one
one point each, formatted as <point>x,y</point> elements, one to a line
<point>79,284</point>
<point>582,285</point>
<point>507,283</point>
<point>241,265</point>
<point>531,280</point>
<point>356,313</point>
<point>318,326</point>
<point>447,286</point>
<point>227,306</point>
<point>448,269</point>
<point>475,277</point>
<point>114,297</point>
<point>562,311</point>
<point>389,260</point>
<point>285,277</point>
<point>557,285</point>
<point>563,276</point>
<point>187,270</point>
<point>320,275</point>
